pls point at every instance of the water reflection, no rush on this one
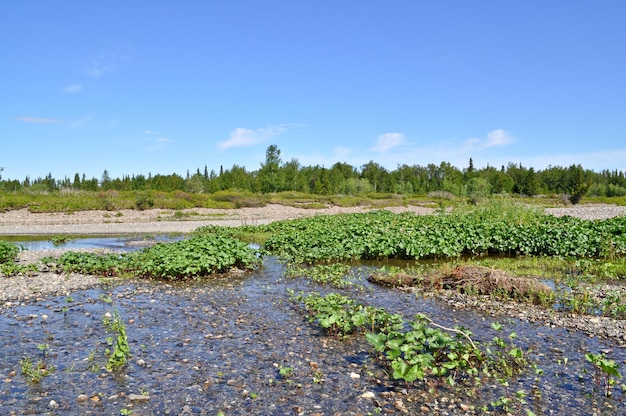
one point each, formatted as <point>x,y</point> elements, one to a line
<point>118,243</point>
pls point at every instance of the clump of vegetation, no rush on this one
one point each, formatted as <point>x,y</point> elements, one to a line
<point>34,372</point>
<point>334,274</point>
<point>425,350</point>
<point>472,279</point>
<point>14,269</point>
<point>339,315</point>
<point>88,263</point>
<point>8,252</point>
<point>494,229</point>
<point>121,349</point>
<point>60,239</point>
<point>188,259</point>
<point>606,371</point>
<point>193,258</point>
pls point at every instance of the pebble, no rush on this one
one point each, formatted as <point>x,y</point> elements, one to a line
<point>138,397</point>
<point>368,395</point>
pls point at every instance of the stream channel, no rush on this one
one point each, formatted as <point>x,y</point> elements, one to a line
<point>218,347</point>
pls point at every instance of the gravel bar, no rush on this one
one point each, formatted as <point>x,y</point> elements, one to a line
<point>38,284</point>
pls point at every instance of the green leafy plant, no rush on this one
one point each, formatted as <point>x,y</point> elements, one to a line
<point>121,349</point>
<point>491,229</point>
<point>326,274</point>
<point>44,349</point>
<point>188,259</point>
<point>339,315</point>
<point>60,239</point>
<point>14,269</point>
<point>605,369</point>
<point>425,351</point>
<point>8,252</point>
<point>285,372</point>
<point>34,372</point>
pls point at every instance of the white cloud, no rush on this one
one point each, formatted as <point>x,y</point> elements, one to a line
<point>388,141</point>
<point>495,138</point>
<point>242,137</point>
<point>72,89</point>
<point>498,138</point>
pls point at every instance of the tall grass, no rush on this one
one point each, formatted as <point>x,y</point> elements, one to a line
<point>505,209</point>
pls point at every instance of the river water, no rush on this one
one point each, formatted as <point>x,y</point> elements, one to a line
<point>219,346</point>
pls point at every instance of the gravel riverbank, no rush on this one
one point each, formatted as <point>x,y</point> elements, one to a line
<point>23,222</point>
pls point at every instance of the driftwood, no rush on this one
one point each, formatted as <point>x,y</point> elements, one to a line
<point>470,279</point>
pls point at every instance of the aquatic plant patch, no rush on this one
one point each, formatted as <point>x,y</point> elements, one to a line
<point>193,258</point>
<point>339,315</point>
<point>187,259</point>
<point>382,234</point>
<point>335,275</point>
<point>120,354</point>
<point>425,349</point>
<point>8,252</point>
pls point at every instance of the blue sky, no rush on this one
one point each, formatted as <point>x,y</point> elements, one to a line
<point>165,87</point>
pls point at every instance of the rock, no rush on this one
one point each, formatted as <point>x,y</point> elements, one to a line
<point>399,404</point>
<point>53,405</point>
<point>138,397</point>
<point>354,375</point>
<point>368,395</point>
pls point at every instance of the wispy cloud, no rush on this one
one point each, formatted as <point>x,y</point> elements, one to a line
<point>495,138</point>
<point>388,141</point>
<point>37,120</point>
<point>242,137</point>
<point>151,141</point>
<point>104,63</point>
<point>81,122</point>
<point>156,143</point>
<point>73,89</point>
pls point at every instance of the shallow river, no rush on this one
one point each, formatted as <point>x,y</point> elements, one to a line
<point>219,346</point>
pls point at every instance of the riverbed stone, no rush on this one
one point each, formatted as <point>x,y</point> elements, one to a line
<point>138,397</point>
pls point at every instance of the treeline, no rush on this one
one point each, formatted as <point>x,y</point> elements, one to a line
<point>274,175</point>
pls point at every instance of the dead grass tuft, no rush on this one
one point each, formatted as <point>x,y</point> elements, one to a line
<point>472,279</point>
